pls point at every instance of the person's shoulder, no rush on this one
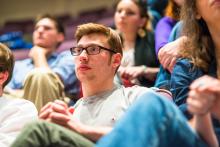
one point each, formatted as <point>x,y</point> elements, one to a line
<point>24,61</point>
<point>136,89</point>
<point>17,103</point>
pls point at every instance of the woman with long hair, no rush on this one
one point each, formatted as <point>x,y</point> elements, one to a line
<point>139,63</point>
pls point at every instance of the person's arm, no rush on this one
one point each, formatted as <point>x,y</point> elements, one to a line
<point>133,72</point>
<point>162,32</point>
<point>207,90</point>
<point>39,57</point>
<point>14,114</point>
<point>169,53</point>
<point>203,99</point>
<point>203,126</point>
<point>92,133</point>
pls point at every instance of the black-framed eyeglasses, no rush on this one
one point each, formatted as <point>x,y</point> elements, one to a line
<point>90,50</point>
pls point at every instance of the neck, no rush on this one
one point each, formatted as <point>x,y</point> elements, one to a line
<point>90,89</point>
<point>215,33</point>
<point>129,40</point>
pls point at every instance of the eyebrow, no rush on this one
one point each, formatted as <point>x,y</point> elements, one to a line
<point>90,44</point>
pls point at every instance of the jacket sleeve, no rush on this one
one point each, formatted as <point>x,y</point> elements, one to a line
<point>183,75</point>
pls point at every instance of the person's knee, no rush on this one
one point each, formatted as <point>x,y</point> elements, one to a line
<point>152,98</point>
<point>40,74</point>
<point>36,126</point>
<point>42,77</point>
<point>154,103</point>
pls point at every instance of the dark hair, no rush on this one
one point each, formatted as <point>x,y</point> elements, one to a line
<point>199,48</point>
<point>57,23</point>
<point>142,4</point>
<point>6,62</point>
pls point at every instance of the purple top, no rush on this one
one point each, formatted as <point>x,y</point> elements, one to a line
<point>162,32</point>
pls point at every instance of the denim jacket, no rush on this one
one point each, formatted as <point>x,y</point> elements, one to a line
<point>183,75</point>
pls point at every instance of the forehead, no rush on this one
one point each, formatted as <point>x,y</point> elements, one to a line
<point>127,4</point>
<point>46,22</point>
<point>94,38</point>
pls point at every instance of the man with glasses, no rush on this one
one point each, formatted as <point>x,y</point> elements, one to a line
<point>97,57</point>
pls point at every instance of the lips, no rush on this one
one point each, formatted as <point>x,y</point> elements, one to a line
<point>83,67</point>
<point>216,2</point>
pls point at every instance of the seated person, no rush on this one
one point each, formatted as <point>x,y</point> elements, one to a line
<point>139,63</point>
<point>46,75</point>
<point>97,56</point>
<point>200,51</point>
<point>14,113</point>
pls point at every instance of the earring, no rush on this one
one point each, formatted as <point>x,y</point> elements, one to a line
<point>141,32</point>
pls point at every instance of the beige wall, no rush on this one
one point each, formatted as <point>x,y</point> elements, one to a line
<point>23,9</point>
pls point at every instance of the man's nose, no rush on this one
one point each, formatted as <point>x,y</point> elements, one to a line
<point>83,55</point>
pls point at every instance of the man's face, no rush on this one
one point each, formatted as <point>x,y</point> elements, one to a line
<point>45,34</point>
<point>99,67</point>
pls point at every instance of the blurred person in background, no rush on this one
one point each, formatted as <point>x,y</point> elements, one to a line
<point>139,64</point>
<point>46,75</point>
<point>166,24</point>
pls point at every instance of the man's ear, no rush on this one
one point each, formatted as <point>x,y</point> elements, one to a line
<point>116,60</point>
<point>3,77</point>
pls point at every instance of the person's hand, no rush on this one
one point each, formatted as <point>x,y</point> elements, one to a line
<point>169,53</point>
<point>204,96</point>
<point>131,72</point>
<point>39,56</point>
<point>37,51</point>
<point>56,112</point>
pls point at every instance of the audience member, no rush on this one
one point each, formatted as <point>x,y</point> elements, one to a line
<point>14,113</point>
<point>200,51</point>
<point>46,74</point>
<point>98,56</point>
<point>139,63</point>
